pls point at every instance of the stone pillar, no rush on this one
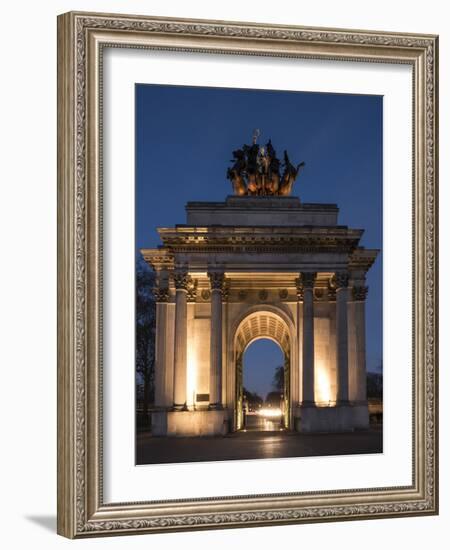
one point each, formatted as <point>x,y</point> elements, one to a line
<point>192,374</point>
<point>307,290</point>
<point>359,297</point>
<point>215,377</point>
<point>333,340</point>
<point>298,355</point>
<point>341,280</point>
<point>161,297</point>
<point>181,280</point>
<point>239,417</point>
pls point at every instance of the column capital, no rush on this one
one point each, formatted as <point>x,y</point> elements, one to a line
<point>216,279</point>
<point>360,293</point>
<point>191,289</point>
<point>340,279</point>
<point>306,280</point>
<point>299,288</point>
<point>331,291</point>
<point>161,294</point>
<point>181,278</point>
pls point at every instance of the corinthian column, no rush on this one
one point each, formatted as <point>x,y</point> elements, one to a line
<point>306,288</point>
<point>161,297</point>
<point>359,297</point>
<point>181,280</point>
<point>342,337</point>
<point>215,374</point>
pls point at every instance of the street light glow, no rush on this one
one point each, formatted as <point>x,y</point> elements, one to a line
<point>270,412</point>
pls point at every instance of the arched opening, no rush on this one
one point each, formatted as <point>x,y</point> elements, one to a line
<point>256,334</point>
<point>263,386</point>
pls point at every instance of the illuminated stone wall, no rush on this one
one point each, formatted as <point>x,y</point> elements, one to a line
<point>258,267</point>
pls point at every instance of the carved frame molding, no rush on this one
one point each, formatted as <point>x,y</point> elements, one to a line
<point>81,37</point>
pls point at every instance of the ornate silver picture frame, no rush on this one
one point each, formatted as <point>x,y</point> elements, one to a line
<point>82,509</point>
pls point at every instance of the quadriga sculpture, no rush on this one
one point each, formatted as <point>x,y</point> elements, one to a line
<point>256,171</point>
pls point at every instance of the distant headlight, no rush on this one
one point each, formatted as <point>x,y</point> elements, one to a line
<point>270,412</point>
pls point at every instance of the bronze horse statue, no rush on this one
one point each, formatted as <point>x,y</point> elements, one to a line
<point>256,171</point>
<point>290,174</point>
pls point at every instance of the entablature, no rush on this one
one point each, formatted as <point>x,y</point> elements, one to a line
<point>258,239</point>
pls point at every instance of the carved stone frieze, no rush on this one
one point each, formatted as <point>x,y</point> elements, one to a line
<point>319,293</point>
<point>263,295</point>
<point>242,294</point>
<point>283,294</point>
<point>225,240</point>
<point>206,294</point>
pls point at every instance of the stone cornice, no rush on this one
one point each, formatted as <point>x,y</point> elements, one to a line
<point>257,239</point>
<point>158,258</point>
<point>362,259</point>
<point>263,203</point>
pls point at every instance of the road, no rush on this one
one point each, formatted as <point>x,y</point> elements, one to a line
<point>253,444</point>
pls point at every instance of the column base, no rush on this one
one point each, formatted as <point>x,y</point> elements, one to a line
<point>307,404</point>
<point>215,407</point>
<point>178,407</point>
<point>190,423</point>
<point>340,418</point>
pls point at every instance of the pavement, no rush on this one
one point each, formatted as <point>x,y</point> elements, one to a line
<point>255,443</point>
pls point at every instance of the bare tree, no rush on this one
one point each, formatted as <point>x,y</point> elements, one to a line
<point>145,333</point>
<point>253,399</point>
<point>278,379</point>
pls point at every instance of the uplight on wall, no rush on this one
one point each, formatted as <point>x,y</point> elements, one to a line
<point>191,374</point>
<point>322,390</point>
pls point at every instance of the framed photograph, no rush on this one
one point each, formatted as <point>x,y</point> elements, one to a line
<point>247,284</point>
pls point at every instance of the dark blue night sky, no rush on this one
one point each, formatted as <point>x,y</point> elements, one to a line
<point>184,140</point>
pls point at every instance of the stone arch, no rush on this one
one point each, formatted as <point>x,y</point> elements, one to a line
<point>262,324</point>
<point>263,321</point>
<point>285,316</point>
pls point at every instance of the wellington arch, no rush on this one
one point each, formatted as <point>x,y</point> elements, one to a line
<point>261,264</point>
